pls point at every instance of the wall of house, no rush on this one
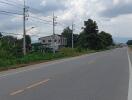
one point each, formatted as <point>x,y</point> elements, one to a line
<point>48,41</point>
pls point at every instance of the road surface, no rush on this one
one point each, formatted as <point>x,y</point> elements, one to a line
<point>99,76</point>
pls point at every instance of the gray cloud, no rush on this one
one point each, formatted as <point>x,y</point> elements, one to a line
<point>66,10</point>
<point>117,10</point>
<point>9,26</point>
<point>49,7</point>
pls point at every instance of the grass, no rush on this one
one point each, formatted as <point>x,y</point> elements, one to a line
<point>37,57</point>
<point>130,46</point>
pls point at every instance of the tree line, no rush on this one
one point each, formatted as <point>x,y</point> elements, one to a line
<point>129,42</point>
<point>89,38</point>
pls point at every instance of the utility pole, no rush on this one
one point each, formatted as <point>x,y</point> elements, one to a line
<point>72,35</point>
<point>25,10</point>
<point>24,29</point>
<point>53,40</point>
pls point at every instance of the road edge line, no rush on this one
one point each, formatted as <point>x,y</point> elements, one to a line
<point>130,77</point>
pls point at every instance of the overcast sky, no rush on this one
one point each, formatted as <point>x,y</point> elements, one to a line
<point>112,16</point>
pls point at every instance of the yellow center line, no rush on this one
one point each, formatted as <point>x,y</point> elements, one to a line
<point>29,87</point>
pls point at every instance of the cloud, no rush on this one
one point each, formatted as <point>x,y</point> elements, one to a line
<point>113,16</point>
<point>118,26</point>
<point>76,10</point>
<point>119,7</point>
<point>115,2</point>
<point>46,7</point>
<point>43,3</point>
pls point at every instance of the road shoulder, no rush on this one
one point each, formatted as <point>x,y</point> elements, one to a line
<point>129,53</point>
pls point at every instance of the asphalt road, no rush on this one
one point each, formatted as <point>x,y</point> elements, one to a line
<point>100,76</point>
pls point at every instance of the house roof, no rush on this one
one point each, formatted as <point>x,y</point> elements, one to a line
<point>52,35</point>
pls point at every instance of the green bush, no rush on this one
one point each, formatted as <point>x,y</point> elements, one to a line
<point>69,52</point>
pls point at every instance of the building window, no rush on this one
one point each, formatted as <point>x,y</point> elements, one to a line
<point>59,41</point>
<point>43,41</point>
<point>49,40</point>
<point>55,40</point>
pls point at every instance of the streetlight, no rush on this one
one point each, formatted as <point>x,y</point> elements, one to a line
<point>30,29</point>
<point>24,40</point>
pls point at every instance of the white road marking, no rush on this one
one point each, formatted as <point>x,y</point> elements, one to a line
<point>16,92</point>
<point>29,87</point>
<point>37,84</point>
<point>130,78</point>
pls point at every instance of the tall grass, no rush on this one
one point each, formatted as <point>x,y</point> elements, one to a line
<point>8,61</point>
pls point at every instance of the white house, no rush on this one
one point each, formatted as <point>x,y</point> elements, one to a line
<point>56,41</point>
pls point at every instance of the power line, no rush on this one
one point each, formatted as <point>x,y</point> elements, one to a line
<point>14,2</point>
<point>38,17</point>
<point>50,17</point>
<point>5,13</point>
<point>11,4</point>
<point>62,24</point>
<point>25,6</point>
<point>41,19</point>
<point>2,11</point>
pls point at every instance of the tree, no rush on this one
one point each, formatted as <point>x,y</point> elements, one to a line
<point>1,35</point>
<point>67,33</point>
<point>89,37</point>
<point>13,46</point>
<point>28,39</point>
<point>129,42</point>
<point>75,41</point>
<point>10,42</point>
<point>7,46</point>
<point>28,43</point>
<point>105,39</point>
<point>9,38</point>
<point>0,39</point>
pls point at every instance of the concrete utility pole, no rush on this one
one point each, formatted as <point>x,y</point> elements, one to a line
<point>24,29</point>
<point>72,35</point>
<point>53,40</point>
<point>25,15</point>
